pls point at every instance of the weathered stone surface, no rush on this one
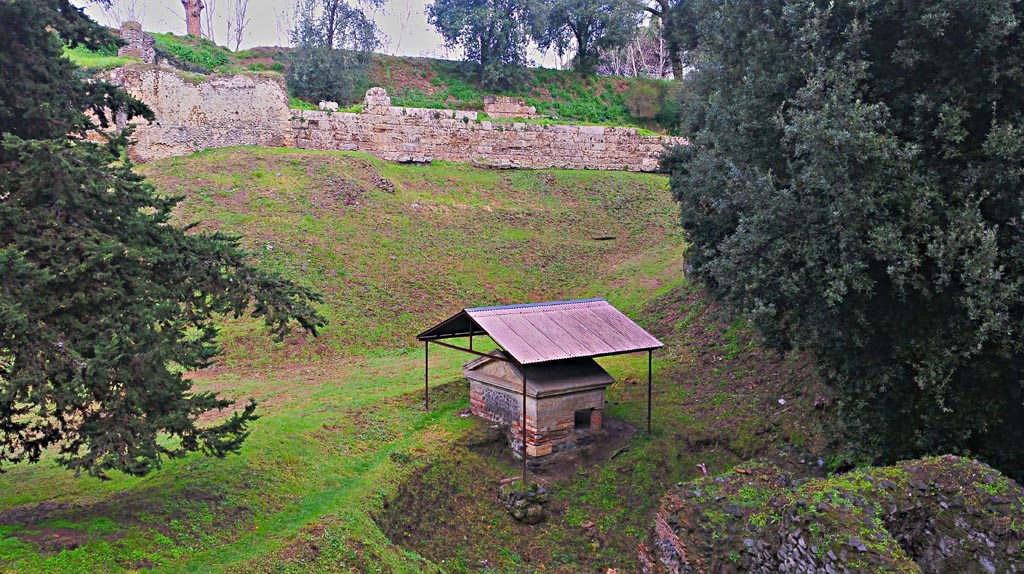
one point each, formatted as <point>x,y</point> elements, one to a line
<point>140,44</point>
<point>506,107</point>
<point>377,100</point>
<point>252,109</point>
<point>891,519</point>
<point>525,504</point>
<point>456,136</point>
<point>217,111</point>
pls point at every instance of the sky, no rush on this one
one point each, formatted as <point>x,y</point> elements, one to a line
<point>403,23</point>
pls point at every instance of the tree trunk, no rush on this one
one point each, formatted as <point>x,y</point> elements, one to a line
<point>677,64</point>
<point>193,8</point>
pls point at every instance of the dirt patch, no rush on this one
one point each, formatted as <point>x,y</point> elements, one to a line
<point>615,441</point>
<point>54,540</point>
<point>409,73</point>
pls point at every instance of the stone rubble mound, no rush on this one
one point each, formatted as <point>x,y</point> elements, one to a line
<point>933,515</point>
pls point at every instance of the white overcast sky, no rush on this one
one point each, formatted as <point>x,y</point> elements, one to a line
<point>403,22</point>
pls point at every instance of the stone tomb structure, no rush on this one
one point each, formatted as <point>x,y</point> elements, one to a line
<point>542,382</point>
<point>564,402</point>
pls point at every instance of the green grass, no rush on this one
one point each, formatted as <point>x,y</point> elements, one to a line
<point>448,235</point>
<point>198,52</point>
<point>560,96</point>
<point>343,439</point>
<point>98,61</point>
<point>342,424</point>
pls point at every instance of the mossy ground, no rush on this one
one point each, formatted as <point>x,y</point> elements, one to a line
<point>940,514</point>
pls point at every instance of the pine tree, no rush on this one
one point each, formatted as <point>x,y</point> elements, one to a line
<point>103,301</point>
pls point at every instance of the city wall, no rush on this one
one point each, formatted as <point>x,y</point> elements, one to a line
<point>196,113</point>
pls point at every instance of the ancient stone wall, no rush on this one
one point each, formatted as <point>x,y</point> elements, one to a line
<point>139,44</point>
<point>415,135</point>
<point>506,107</point>
<point>201,113</point>
<point>194,113</point>
<point>934,516</point>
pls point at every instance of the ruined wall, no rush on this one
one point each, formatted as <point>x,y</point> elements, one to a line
<point>506,107</point>
<point>197,114</point>
<point>414,134</point>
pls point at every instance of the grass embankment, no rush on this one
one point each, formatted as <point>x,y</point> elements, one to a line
<point>560,96</point>
<point>343,439</point>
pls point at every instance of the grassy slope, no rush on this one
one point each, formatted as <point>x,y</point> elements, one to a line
<point>342,424</point>
<point>343,439</point>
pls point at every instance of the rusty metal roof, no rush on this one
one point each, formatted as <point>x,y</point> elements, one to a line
<point>552,331</point>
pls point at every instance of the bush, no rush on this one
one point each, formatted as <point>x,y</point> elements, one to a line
<point>854,188</point>
<point>319,74</point>
<point>644,100</point>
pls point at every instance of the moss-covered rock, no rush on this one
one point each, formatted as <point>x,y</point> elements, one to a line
<point>945,514</point>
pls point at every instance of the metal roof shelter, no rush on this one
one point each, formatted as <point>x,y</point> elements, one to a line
<point>539,333</point>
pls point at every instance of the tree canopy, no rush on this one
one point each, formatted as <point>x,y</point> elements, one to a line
<point>103,300</point>
<point>586,26</point>
<point>493,33</point>
<point>854,187</point>
<point>333,41</point>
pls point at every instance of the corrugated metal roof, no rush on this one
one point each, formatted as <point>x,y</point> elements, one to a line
<point>552,331</point>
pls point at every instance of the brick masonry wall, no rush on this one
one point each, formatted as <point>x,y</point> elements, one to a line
<point>550,422</point>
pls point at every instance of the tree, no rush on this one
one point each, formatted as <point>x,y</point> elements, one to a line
<point>646,54</point>
<point>209,17</point>
<point>854,187</point>
<point>238,21</point>
<point>493,34</point>
<point>193,16</point>
<point>333,43</point>
<point>587,26</point>
<point>117,12</point>
<point>678,28</point>
<point>103,301</point>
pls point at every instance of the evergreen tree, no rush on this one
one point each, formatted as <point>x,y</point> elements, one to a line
<point>854,187</point>
<point>102,300</point>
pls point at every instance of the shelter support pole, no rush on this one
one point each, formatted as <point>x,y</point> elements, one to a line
<point>426,375</point>
<point>650,362</point>
<point>524,427</point>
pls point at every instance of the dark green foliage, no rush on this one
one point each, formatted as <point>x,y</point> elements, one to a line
<point>493,34</point>
<point>333,43</point>
<point>645,100</point>
<point>854,187</point>
<point>585,26</point>
<point>103,303</point>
